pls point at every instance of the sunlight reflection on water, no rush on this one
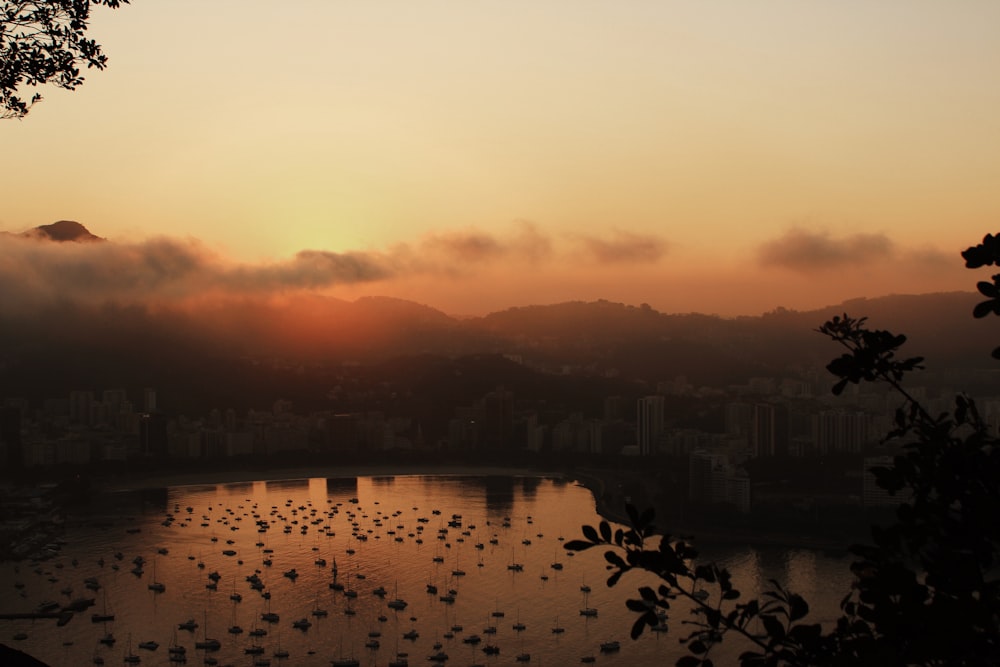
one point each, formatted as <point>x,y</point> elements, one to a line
<point>390,532</point>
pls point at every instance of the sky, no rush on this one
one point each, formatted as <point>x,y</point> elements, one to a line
<point>723,157</point>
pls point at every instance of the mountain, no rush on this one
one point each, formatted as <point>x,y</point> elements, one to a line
<point>62,231</point>
<point>247,351</point>
<point>246,354</point>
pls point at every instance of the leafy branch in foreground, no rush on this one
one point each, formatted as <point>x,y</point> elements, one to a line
<point>709,592</point>
<point>44,41</point>
<point>925,592</point>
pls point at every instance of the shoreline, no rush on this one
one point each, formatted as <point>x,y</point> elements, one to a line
<point>603,485</point>
<point>115,485</point>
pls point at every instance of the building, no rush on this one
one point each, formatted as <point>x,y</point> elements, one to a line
<point>713,480</point>
<point>650,424</point>
<point>769,430</point>
<point>841,432</point>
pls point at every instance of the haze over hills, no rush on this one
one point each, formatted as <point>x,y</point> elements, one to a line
<point>218,347</point>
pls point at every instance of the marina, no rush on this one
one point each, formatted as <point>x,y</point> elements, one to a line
<point>371,573</point>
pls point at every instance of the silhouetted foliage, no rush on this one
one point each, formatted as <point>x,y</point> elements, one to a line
<point>44,41</point>
<point>986,253</point>
<point>926,590</point>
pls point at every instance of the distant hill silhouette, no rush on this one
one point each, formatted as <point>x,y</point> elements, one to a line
<point>63,230</point>
<point>248,353</point>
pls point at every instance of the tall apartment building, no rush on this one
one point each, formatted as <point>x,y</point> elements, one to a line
<point>840,431</point>
<point>769,430</point>
<point>650,424</point>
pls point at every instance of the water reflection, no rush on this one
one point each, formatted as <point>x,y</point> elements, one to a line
<point>311,566</point>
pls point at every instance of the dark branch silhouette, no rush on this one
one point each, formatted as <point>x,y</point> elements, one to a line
<point>42,42</point>
<point>926,590</point>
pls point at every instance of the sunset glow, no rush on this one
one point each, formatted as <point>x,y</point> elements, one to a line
<point>725,158</point>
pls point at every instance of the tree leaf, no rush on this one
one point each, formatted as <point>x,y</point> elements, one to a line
<point>578,545</point>
<point>605,531</point>
<point>774,628</point>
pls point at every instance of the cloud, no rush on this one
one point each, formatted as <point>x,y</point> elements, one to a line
<point>625,248</point>
<point>933,258</point>
<point>465,246</point>
<point>162,268</point>
<point>160,271</point>
<point>310,269</point>
<point>474,246</point>
<point>805,251</point>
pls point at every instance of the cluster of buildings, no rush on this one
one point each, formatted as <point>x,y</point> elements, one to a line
<point>766,418</point>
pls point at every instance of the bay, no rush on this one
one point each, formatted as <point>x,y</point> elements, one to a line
<point>496,541</point>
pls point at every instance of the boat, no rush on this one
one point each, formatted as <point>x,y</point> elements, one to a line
<point>156,586</point>
<point>189,624</point>
<point>149,645</point>
<point>206,643</point>
<point>131,658</point>
<point>318,611</point>
<point>280,652</point>
<point>587,611</point>
<point>302,624</point>
<point>610,647</point>
<point>104,616</point>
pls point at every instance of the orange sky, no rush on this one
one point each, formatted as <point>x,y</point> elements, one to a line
<point>723,157</point>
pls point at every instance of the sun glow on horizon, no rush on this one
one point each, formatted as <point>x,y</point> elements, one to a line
<point>726,159</point>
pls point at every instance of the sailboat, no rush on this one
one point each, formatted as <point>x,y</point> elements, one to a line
<point>206,643</point>
<point>103,617</point>
<point>156,586</point>
<point>235,628</point>
<point>176,652</point>
<point>396,602</point>
<point>587,611</point>
<point>269,616</point>
<point>280,652</point>
<point>318,611</point>
<point>345,662</point>
<point>131,658</point>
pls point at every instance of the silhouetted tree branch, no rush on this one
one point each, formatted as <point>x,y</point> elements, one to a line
<point>44,41</point>
<point>926,591</point>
